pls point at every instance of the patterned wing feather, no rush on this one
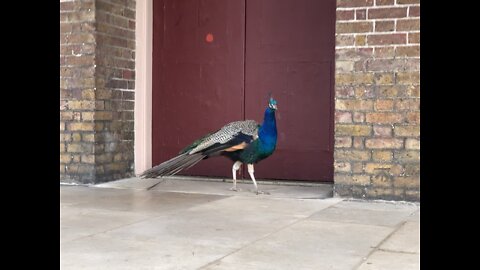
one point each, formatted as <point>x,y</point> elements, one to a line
<point>227,133</point>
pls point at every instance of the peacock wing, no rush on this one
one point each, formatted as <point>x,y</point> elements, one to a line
<point>231,137</point>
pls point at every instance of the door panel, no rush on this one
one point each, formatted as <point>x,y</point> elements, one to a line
<point>290,52</point>
<point>197,81</point>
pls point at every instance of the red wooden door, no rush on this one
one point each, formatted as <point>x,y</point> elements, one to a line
<point>197,65</point>
<point>207,73</point>
<point>290,49</point>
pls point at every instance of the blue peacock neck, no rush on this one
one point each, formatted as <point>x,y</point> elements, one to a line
<point>268,130</point>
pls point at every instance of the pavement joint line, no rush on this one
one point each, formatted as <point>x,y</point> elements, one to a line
<point>159,182</point>
<point>377,247</point>
<point>264,237</point>
<point>110,229</point>
<point>398,251</point>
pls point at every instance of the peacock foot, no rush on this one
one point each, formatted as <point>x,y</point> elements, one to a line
<point>235,189</point>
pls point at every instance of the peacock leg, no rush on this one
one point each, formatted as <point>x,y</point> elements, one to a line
<point>235,168</point>
<point>251,171</point>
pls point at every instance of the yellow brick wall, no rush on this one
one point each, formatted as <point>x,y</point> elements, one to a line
<point>377,99</point>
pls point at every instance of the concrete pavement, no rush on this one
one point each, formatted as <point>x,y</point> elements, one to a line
<point>203,225</point>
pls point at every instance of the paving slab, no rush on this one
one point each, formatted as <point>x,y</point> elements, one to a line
<point>308,245</point>
<point>80,222</point>
<point>231,222</point>
<point>104,252</point>
<point>382,260</point>
<point>415,217</point>
<point>405,239</point>
<point>381,214</point>
<point>138,201</point>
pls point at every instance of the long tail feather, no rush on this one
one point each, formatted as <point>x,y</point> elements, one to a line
<point>173,166</point>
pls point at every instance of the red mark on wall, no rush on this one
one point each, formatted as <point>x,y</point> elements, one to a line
<point>209,38</point>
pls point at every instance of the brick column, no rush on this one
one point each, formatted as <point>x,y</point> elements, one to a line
<point>377,99</point>
<point>97,76</point>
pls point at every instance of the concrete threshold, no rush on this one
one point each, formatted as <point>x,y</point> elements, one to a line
<point>220,186</point>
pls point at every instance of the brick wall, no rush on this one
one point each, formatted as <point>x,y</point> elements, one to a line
<point>114,78</point>
<point>97,43</point>
<point>377,99</point>
<point>77,87</point>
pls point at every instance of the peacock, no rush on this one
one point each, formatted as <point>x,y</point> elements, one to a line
<point>244,142</point>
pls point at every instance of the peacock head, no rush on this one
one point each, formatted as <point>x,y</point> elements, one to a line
<point>272,104</point>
